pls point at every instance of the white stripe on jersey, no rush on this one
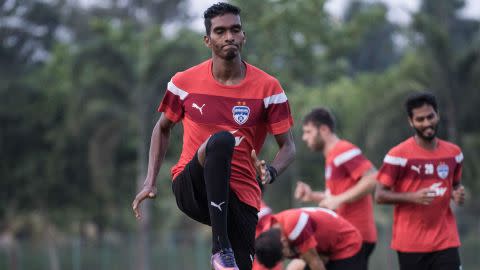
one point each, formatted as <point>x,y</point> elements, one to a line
<point>263,212</point>
<point>346,156</point>
<point>301,223</point>
<point>275,99</point>
<point>314,209</point>
<point>176,91</point>
<point>459,158</point>
<point>398,161</point>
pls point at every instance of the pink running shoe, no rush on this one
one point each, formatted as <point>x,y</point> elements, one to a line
<point>224,260</point>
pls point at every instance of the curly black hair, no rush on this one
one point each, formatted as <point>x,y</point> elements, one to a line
<point>215,10</point>
<point>418,99</point>
<point>320,116</point>
<point>268,247</point>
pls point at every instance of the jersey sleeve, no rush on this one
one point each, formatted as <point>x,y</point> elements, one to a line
<point>279,117</point>
<point>172,102</point>
<point>391,168</point>
<point>302,234</point>
<point>354,162</point>
<point>457,174</point>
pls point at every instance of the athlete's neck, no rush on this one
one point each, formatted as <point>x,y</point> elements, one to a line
<point>228,72</point>
<point>426,144</point>
<point>330,142</point>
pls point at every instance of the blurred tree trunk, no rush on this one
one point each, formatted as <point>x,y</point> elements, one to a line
<point>144,225</point>
<point>53,258</point>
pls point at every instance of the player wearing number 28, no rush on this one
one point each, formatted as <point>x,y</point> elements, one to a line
<point>420,176</point>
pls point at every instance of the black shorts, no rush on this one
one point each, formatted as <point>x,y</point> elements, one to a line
<point>191,196</point>
<point>447,259</point>
<point>356,262</point>
<point>367,249</point>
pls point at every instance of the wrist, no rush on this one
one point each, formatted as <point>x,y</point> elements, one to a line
<point>148,184</point>
<point>273,173</point>
<point>341,199</point>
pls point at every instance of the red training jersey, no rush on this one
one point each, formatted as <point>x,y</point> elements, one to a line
<point>322,229</point>
<point>249,110</point>
<point>265,218</point>
<point>344,166</point>
<point>407,168</point>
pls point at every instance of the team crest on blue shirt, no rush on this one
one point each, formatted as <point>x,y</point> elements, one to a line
<point>442,170</point>
<point>240,114</point>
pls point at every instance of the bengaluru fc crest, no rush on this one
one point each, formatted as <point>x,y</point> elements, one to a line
<point>240,114</point>
<point>442,170</point>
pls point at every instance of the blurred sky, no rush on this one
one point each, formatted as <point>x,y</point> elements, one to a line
<point>399,9</point>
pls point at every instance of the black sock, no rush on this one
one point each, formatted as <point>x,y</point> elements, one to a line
<point>219,152</point>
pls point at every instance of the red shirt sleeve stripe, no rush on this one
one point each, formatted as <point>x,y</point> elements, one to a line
<point>388,174</point>
<point>172,102</point>
<point>279,118</point>
<point>346,156</point>
<point>458,170</point>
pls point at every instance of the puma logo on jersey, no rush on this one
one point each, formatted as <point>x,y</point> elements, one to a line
<point>438,190</point>
<point>200,109</point>
<point>219,206</point>
<point>416,168</point>
<point>238,139</point>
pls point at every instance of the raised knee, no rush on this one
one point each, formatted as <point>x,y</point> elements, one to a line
<point>221,141</point>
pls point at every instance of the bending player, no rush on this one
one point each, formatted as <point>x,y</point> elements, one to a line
<point>349,177</point>
<point>319,237</point>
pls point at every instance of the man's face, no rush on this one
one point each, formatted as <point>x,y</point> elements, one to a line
<point>425,121</point>
<point>226,37</point>
<point>311,136</point>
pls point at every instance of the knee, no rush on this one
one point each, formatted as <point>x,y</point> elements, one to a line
<point>221,142</point>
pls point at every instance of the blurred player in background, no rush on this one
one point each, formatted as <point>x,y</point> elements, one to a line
<point>318,237</point>
<point>227,108</point>
<point>349,177</point>
<point>420,176</point>
<point>265,220</point>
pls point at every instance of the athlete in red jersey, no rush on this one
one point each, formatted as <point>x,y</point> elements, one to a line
<point>420,176</point>
<point>265,219</point>
<point>227,107</point>
<point>349,177</point>
<point>311,234</point>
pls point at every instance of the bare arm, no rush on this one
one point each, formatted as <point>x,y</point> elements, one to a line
<point>286,151</point>
<point>364,186</point>
<point>283,158</point>
<point>313,260</point>
<point>384,195</point>
<point>158,147</point>
<point>458,194</point>
<point>304,193</point>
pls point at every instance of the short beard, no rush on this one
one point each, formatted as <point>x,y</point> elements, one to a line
<point>319,146</point>
<point>230,56</point>
<point>426,138</point>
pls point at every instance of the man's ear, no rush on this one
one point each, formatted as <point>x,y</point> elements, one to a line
<point>324,130</point>
<point>206,41</point>
<point>410,121</point>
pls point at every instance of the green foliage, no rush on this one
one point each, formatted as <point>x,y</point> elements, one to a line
<point>77,109</point>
